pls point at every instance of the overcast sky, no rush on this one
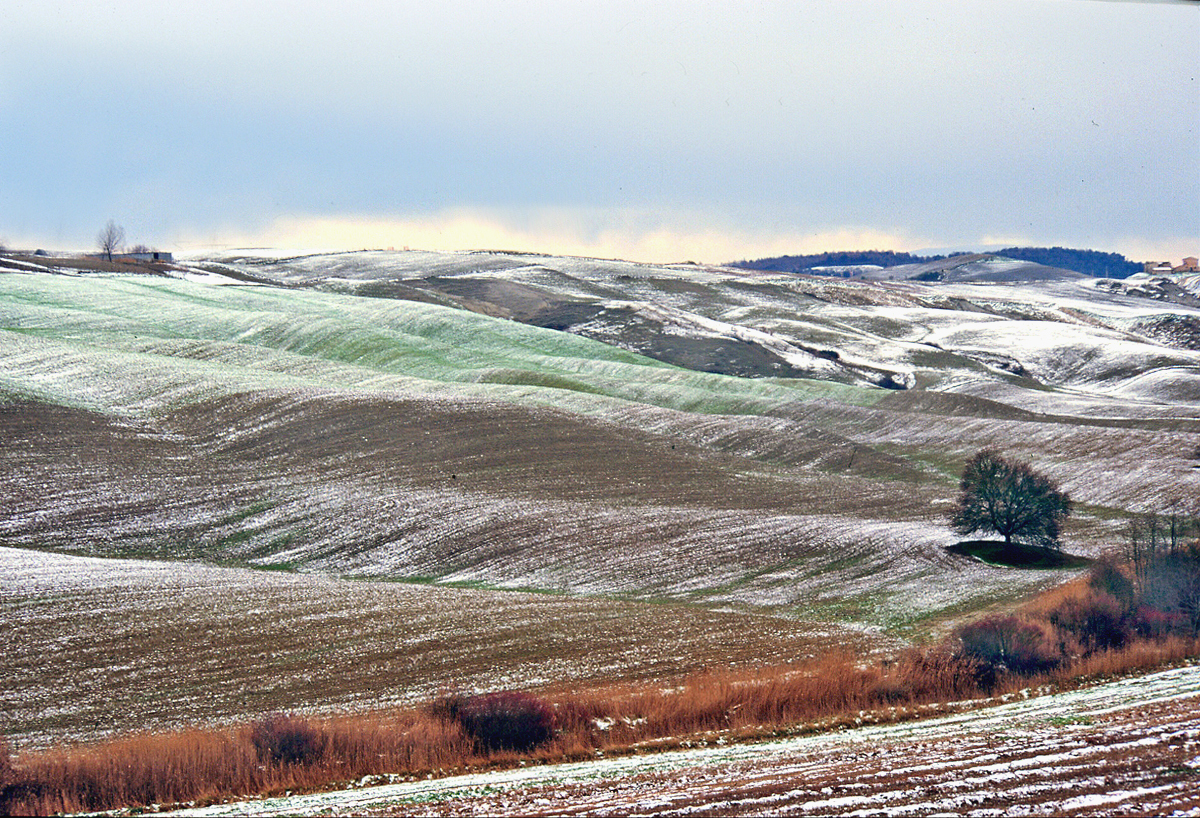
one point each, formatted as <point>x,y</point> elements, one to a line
<point>655,131</point>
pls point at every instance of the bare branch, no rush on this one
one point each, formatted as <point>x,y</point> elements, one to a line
<point>109,239</point>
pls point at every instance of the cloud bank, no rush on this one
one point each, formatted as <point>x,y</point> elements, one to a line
<point>703,130</point>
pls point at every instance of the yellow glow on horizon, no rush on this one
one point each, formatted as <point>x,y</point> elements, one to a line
<point>631,236</point>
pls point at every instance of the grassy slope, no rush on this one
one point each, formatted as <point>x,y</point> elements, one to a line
<point>191,341</point>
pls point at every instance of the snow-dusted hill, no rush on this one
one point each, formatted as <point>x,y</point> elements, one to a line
<point>694,433</point>
<point>986,319</point>
<point>738,441</point>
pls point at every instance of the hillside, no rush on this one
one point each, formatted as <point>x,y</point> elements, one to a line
<point>337,398</point>
<point>752,443</point>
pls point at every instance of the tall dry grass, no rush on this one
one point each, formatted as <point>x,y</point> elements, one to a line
<point>207,765</point>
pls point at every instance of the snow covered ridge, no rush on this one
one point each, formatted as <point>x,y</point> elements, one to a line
<point>1089,336</point>
<point>1130,746</point>
<point>1092,338</point>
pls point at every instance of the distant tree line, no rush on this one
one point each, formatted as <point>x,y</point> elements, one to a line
<point>796,264</point>
<point>1088,262</point>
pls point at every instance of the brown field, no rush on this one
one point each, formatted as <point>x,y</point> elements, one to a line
<point>94,648</point>
<point>821,697</point>
<point>83,264</point>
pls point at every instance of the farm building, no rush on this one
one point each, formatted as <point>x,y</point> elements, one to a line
<point>148,255</point>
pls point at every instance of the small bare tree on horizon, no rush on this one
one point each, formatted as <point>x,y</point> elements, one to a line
<point>109,239</point>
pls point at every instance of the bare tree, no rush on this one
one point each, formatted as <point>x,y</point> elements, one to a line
<point>109,239</point>
<point>1172,584</point>
<point>1160,538</point>
<point>1010,499</point>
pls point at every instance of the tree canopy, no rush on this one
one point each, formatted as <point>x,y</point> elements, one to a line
<point>1009,498</point>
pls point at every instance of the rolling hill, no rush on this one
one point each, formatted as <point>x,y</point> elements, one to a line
<point>742,441</point>
<point>333,417</point>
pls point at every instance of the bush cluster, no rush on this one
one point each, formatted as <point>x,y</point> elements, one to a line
<point>1111,610</point>
<point>509,720</point>
<point>286,739</point>
<point>1010,643</point>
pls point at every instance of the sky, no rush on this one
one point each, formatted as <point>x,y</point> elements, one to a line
<point>660,131</point>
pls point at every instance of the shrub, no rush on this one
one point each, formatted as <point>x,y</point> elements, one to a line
<point>1150,622</point>
<point>287,739</point>
<point>510,720</point>
<point>1010,643</point>
<point>935,673</point>
<point>1097,620</point>
<point>1106,578</point>
<point>1172,585</point>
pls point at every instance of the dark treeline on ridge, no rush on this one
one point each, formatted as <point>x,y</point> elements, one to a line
<point>1088,262</point>
<point>852,258</point>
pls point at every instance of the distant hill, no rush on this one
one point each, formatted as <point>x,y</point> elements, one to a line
<point>594,427</point>
<point>984,267</point>
<point>1087,262</point>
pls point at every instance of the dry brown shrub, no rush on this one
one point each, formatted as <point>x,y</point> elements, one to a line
<point>140,769</point>
<point>581,713</point>
<point>835,684</point>
<point>202,765</point>
<point>286,739</point>
<point>1097,620</point>
<point>933,674</point>
<point>764,698</point>
<point>1002,644</point>
<point>1138,655</point>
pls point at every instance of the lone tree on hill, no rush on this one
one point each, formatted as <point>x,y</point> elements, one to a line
<point>1011,499</point>
<point>109,239</point>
